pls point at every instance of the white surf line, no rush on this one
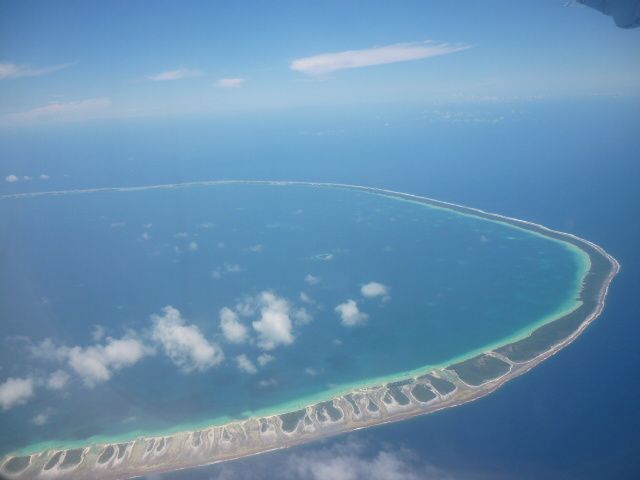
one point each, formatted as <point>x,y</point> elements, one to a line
<point>204,183</point>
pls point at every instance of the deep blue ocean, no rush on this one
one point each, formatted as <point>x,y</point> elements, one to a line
<point>572,166</point>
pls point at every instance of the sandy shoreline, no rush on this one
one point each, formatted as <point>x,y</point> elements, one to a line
<point>256,435</point>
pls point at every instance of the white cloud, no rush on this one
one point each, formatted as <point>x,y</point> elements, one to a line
<point>230,82</point>
<point>247,306</point>
<point>44,176</point>
<point>193,247</point>
<point>374,289</point>
<point>60,111</point>
<point>269,382</point>
<point>306,298</point>
<point>350,314</point>
<point>246,365</point>
<point>11,178</point>
<point>48,350</point>
<point>12,70</point>
<point>256,248</point>
<point>98,333</point>
<point>274,327</point>
<point>15,391</point>
<point>232,329</point>
<point>97,363</point>
<point>350,459</point>
<point>264,359</point>
<point>302,317</point>
<point>40,419</point>
<point>26,178</point>
<point>184,344</point>
<point>58,380</point>
<point>176,74</point>
<point>274,323</point>
<point>311,280</point>
<point>327,63</point>
<point>228,268</point>
<point>94,364</point>
<point>312,372</point>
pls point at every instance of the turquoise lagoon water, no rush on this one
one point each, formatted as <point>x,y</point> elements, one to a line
<point>457,284</point>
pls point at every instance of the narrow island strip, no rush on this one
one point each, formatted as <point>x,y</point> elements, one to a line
<point>420,393</point>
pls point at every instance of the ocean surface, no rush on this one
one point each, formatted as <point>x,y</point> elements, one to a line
<point>559,164</point>
<point>456,285</point>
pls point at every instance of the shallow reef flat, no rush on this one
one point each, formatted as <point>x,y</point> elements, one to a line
<point>426,392</point>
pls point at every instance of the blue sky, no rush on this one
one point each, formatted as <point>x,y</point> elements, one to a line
<point>66,61</point>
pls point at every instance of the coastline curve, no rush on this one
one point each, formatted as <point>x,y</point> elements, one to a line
<point>418,392</point>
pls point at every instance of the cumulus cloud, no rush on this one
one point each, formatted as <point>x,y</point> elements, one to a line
<point>184,344</point>
<point>264,359</point>
<point>374,289</point>
<point>44,176</point>
<point>93,364</point>
<point>15,391</point>
<point>301,316</point>
<point>232,329</point>
<point>311,280</point>
<point>267,383</point>
<point>350,459</point>
<point>98,333</point>
<point>350,314</point>
<point>40,419</point>
<point>246,365</point>
<point>97,363</point>
<point>193,247</point>
<point>327,63</point>
<point>304,297</point>
<point>274,327</point>
<point>60,111</point>
<point>230,82</point>
<point>228,268</point>
<point>48,350</point>
<point>58,380</point>
<point>12,70</point>
<point>256,248</point>
<point>353,462</point>
<point>11,178</point>
<point>177,74</point>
